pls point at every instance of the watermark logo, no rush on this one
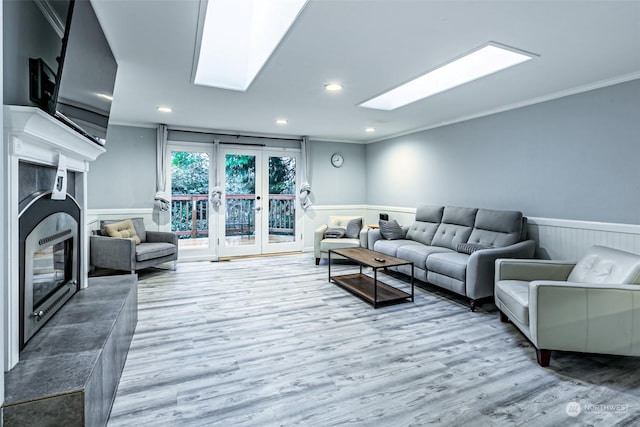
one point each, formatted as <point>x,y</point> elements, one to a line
<point>573,409</point>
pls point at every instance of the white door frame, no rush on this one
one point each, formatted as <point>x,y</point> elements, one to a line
<point>211,251</point>
<point>261,244</point>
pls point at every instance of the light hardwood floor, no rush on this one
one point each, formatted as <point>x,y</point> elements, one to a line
<point>269,342</point>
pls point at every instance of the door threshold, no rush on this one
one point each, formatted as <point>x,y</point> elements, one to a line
<point>231,258</point>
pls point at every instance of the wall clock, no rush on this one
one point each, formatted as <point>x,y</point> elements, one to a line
<point>337,160</point>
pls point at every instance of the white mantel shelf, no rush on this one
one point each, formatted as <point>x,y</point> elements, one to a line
<point>36,136</point>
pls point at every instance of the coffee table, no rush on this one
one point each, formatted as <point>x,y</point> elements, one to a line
<point>369,288</point>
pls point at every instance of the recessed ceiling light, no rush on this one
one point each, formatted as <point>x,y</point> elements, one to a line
<point>369,129</point>
<point>333,87</point>
<point>105,96</point>
<point>164,109</point>
<point>238,37</point>
<point>282,121</point>
<point>481,62</point>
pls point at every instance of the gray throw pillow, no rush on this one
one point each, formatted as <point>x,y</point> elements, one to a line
<point>469,248</point>
<point>391,230</point>
<point>353,228</point>
<point>334,233</point>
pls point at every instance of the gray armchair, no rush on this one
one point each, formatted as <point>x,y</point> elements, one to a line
<point>115,253</point>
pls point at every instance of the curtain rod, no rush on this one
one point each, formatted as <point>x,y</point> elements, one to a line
<point>237,135</point>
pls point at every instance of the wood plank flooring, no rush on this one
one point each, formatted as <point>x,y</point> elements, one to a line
<point>269,342</point>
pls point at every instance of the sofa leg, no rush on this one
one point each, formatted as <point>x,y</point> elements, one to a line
<point>543,356</point>
<point>317,261</point>
<point>503,317</point>
<point>473,303</point>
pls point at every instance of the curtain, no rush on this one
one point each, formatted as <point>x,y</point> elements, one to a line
<point>305,186</point>
<point>162,198</point>
<point>216,192</point>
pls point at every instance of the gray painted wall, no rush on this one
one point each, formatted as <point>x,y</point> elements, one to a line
<point>337,186</point>
<point>573,158</point>
<point>125,176</point>
<point>26,34</point>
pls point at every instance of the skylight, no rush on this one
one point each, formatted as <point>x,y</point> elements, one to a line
<point>239,36</point>
<point>481,62</point>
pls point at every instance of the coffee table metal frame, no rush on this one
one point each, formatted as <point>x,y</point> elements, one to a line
<point>368,288</point>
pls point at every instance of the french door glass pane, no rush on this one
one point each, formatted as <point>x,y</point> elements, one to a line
<point>282,199</point>
<point>240,189</point>
<point>189,198</point>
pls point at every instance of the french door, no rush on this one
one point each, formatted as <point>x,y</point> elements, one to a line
<point>259,213</point>
<point>190,181</point>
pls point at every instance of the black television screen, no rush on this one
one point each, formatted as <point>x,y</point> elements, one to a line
<point>85,75</point>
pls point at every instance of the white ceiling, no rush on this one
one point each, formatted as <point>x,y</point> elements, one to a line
<point>370,46</point>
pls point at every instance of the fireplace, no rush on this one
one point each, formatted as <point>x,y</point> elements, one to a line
<point>39,149</point>
<point>49,259</point>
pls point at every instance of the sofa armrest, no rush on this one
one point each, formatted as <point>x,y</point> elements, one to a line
<point>585,317</point>
<point>162,237</point>
<point>318,235</point>
<point>112,252</point>
<point>481,266</point>
<point>532,269</point>
<point>372,237</point>
<point>364,239</point>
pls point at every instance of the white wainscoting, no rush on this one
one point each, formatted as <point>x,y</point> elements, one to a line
<point>568,240</point>
<point>557,238</point>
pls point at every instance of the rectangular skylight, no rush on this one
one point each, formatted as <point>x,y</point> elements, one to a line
<point>481,62</point>
<point>238,37</point>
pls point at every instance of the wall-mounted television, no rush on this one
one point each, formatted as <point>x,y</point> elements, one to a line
<point>78,87</point>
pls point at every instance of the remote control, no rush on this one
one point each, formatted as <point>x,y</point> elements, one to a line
<point>380,259</point>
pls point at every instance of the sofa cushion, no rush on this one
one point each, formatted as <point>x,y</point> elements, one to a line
<point>514,294</point>
<point>451,264</point>
<point>422,232</point>
<point>146,251</point>
<point>353,228</point>
<point>390,247</point>
<point>497,228</point>
<point>418,253</point>
<point>327,244</point>
<point>457,224</point>
<point>391,230</point>
<point>429,213</point>
<point>606,265</point>
<point>123,229</point>
<point>427,221</point>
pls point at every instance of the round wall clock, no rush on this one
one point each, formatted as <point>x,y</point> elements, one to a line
<point>337,160</point>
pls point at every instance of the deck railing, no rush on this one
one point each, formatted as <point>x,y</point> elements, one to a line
<point>190,215</point>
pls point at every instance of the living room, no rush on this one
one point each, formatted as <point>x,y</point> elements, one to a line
<point>561,150</point>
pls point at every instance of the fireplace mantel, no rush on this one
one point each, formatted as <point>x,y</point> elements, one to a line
<point>31,135</point>
<point>37,137</point>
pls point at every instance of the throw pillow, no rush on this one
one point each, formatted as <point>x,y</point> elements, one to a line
<point>334,233</point>
<point>123,229</point>
<point>391,230</point>
<point>469,248</point>
<point>353,229</point>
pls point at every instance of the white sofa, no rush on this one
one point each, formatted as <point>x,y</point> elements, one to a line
<point>591,306</point>
<point>322,245</point>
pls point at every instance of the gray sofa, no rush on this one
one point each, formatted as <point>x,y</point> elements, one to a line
<point>115,253</point>
<point>456,247</point>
